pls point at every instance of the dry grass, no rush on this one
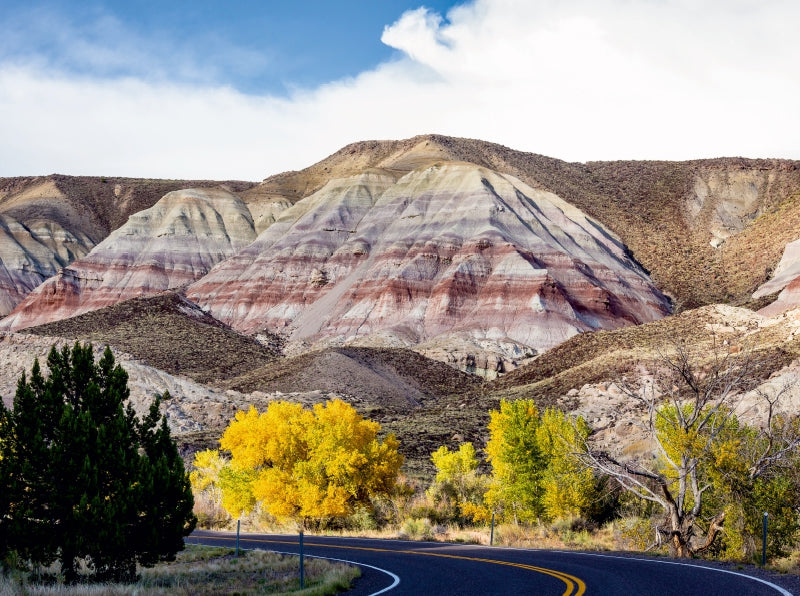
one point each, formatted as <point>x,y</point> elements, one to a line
<point>789,564</point>
<point>200,571</point>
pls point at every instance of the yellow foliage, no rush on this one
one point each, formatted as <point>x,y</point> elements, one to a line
<point>477,513</point>
<point>568,486</point>
<point>517,461</point>
<point>535,470</point>
<point>454,464</point>
<point>237,493</point>
<point>458,486</point>
<point>316,463</point>
<point>207,466</point>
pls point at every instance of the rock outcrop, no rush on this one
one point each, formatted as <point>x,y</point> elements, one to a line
<point>169,245</point>
<point>786,280</point>
<point>451,249</point>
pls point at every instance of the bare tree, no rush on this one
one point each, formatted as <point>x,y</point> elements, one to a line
<point>690,399</point>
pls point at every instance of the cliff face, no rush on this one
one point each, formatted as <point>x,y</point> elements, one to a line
<point>167,246</point>
<point>451,249</point>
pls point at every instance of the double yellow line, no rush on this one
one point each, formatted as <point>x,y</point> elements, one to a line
<point>575,586</point>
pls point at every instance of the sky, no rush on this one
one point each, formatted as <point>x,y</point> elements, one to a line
<point>242,90</point>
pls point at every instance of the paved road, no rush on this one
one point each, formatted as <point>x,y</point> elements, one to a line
<point>395,568</point>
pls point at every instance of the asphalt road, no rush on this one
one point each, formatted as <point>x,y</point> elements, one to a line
<point>396,567</point>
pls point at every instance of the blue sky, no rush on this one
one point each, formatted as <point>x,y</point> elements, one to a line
<point>243,90</point>
<point>256,47</point>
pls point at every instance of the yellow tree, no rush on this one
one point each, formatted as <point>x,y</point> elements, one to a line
<point>569,487</point>
<point>517,461</point>
<point>458,483</point>
<point>705,459</point>
<point>305,464</point>
<point>536,471</point>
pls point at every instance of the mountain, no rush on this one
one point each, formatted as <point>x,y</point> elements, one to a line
<point>451,250</point>
<point>46,222</point>
<point>471,252</point>
<point>708,231</point>
<point>174,242</point>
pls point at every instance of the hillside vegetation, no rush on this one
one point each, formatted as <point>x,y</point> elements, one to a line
<point>169,333</point>
<point>605,356</point>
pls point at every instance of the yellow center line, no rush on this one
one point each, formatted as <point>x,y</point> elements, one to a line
<point>575,585</point>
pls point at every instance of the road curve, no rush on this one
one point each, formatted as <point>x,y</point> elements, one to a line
<point>470,570</point>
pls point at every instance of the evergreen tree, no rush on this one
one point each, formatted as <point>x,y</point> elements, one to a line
<point>87,479</point>
<point>5,501</point>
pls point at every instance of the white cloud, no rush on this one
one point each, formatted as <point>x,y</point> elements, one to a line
<point>577,80</point>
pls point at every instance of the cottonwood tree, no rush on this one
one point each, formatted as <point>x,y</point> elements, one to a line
<point>302,465</point>
<point>83,478</point>
<point>706,459</point>
<point>535,473</point>
<point>458,486</point>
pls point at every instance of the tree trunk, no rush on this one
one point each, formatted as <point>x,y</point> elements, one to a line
<point>680,529</point>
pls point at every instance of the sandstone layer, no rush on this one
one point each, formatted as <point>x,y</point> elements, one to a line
<point>448,249</point>
<point>169,245</point>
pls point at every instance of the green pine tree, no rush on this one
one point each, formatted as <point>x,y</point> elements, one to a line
<point>88,480</point>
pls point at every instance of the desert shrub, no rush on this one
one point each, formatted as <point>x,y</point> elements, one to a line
<point>417,529</point>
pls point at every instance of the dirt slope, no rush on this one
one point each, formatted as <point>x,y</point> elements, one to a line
<point>169,333</point>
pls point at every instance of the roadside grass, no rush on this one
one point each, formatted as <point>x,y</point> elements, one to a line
<point>789,564</point>
<point>203,571</point>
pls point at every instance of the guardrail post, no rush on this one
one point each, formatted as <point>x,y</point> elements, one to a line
<point>491,533</point>
<point>764,542</point>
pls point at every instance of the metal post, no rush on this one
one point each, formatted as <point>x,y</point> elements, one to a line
<point>302,571</point>
<point>238,528</point>
<point>491,534</point>
<point>764,542</point>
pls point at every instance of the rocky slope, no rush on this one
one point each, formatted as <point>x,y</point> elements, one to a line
<point>169,245</point>
<point>785,281</point>
<point>170,333</point>
<point>168,344</point>
<point>46,222</point>
<point>450,250</point>
<point>582,374</point>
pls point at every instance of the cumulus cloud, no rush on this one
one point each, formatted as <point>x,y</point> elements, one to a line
<point>578,80</point>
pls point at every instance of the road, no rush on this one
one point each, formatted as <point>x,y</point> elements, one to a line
<point>396,567</point>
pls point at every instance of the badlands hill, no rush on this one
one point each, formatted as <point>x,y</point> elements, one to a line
<point>449,251</point>
<point>321,282</point>
<point>169,245</point>
<point>708,231</point>
<point>46,222</point>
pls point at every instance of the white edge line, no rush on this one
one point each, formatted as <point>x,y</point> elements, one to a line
<point>779,589</point>
<point>357,564</point>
